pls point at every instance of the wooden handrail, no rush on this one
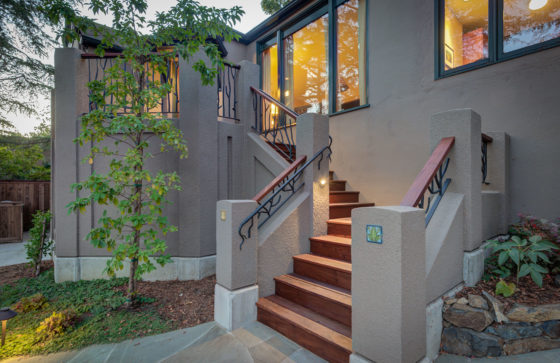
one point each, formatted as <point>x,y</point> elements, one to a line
<point>486,138</point>
<point>278,180</point>
<point>424,178</point>
<point>280,105</point>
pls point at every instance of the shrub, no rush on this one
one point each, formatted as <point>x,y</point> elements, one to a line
<point>39,244</point>
<point>31,303</point>
<point>522,257</point>
<point>56,324</point>
<point>529,226</point>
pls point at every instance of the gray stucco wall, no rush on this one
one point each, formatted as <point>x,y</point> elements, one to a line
<point>380,149</point>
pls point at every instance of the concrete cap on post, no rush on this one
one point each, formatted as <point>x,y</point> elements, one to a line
<point>388,284</point>
<point>464,165</point>
<point>235,267</point>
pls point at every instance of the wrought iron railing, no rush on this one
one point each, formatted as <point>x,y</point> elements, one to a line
<point>227,92</point>
<point>169,105</point>
<point>431,183</point>
<point>274,196</point>
<point>485,141</point>
<point>276,123</point>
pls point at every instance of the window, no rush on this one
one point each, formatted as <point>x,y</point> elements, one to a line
<point>320,65</point>
<point>475,33</point>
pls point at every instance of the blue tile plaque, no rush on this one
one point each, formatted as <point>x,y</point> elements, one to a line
<point>374,233</point>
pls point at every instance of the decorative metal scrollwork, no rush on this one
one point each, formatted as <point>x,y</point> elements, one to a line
<point>227,91</point>
<point>435,191</point>
<point>484,146</point>
<point>280,195</point>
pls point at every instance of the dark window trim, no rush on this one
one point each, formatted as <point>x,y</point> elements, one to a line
<point>313,13</point>
<point>495,43</point>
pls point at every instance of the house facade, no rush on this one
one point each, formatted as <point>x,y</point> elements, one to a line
<point>364,89</point>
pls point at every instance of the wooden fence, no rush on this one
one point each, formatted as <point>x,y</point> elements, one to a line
<point>35,195</point>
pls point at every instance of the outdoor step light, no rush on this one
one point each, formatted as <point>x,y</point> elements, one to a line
<point>5,315</point>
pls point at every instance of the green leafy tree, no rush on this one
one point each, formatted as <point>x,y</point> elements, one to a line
<point>28,31</point>
<point>134,227</point>
<point>272,6</point>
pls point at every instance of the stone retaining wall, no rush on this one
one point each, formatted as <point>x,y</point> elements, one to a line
<point>477,326</point>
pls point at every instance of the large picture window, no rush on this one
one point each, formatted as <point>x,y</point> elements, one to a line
<point>320,64</point>
<point>476,33</point>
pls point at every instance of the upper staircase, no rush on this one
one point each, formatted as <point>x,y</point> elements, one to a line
<point>313,305</point>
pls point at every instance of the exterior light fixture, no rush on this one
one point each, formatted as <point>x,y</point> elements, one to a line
<point>537,4</point>
<point>323,182</point>
<point>5,314</point>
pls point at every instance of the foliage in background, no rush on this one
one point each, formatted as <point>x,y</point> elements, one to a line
<point>26,157</point>
<point>28,30</point>
<point>136,83</point>
<point>505,289</point>
<point>271,6</point>
<point>56,324</point>
<point>39,244</point>
<point>98,303</point>
<point>31,303</point>
<point>529,257</point>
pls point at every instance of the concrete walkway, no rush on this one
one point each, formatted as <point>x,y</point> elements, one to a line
<point>203,343</point>
<point>14,253</point>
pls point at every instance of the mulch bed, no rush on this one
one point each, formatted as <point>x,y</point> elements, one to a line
<point>527,293</point>
<point>12,273</point>
<point>182,303</point>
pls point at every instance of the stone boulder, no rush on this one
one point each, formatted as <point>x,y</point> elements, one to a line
<point>467,342</point>
<point>513,331</point>
<point>464,316</point>
<point>497,308</point>
<point>551,328</point>
<point>527,345</point>
<point>535,314</point>
<point>477,301</point>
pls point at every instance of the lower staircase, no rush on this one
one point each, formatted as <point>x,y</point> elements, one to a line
<point>313,306</point>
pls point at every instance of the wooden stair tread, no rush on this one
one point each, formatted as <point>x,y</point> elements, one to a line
<point>318,288</point>
<point>343,192</point>
<point>329,330</point>
<point>326,262</point>
<point>344,205</point>
<point>347,221</point>
<point>333,239</point>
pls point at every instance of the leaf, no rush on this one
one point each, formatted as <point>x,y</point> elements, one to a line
<point>514,255</point>
<point>537,277</point>
<point>505,289</point>
<point>535,239</point>
<point>539,268</point>
<point>503,257</point>
<point>524,270</point>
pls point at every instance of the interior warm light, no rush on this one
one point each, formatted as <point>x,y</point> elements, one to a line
<point>323,181</point>
<point>287,93</point>
<point>274,110</point>
<point>537,4</point>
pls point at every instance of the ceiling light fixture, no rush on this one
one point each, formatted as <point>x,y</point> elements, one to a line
<point>537,4</point>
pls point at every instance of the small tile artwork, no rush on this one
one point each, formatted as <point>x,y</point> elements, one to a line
<point>374,233</point>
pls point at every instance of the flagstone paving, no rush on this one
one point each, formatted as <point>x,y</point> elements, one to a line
<point>203,343</point>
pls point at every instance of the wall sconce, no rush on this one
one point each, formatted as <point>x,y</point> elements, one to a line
<point>537,4</point>
<point>5,314</point>
<point>323,182</point>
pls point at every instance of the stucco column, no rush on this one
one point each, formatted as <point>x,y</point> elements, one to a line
<point>248,77</point>
<point>198,172</point>
<point>464,165</point>
<point>236,290</point>
<point>312,134</point>
<point>388,285</point>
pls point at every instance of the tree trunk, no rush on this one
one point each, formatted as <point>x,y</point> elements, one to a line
<point>40,255</point>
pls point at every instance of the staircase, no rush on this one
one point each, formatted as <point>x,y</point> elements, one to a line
<point>313,306</point>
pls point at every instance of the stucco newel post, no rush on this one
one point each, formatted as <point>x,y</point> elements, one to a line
<point>236,290</point>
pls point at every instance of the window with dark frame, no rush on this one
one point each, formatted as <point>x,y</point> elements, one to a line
<point>474,33</point>
<point>316,64</point>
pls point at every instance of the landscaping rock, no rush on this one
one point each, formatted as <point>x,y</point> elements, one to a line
<point>450,301</point>
<point>534,314</point>
<point>497,308</point>
<point>464,316</point>
<point>462,301</point>
<point>551,328</point>
<point>521,346</point>
<point>468,342</point>
<point>513,331</point>
<point>477,301</point>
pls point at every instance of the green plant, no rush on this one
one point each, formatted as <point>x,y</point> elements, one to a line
<point>528,256</point>
<point>505,289</point>
<point>132,228</point>
<point>39,244</point>
<point>31,303</point>
<point>56,324</point>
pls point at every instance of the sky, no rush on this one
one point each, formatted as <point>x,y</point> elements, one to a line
<point>253,16</point>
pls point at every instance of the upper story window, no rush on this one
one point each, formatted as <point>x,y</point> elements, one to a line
<point>475,33</point>
<point>319,65</point>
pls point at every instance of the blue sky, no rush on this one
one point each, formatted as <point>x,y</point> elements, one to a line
<point>253,16</point>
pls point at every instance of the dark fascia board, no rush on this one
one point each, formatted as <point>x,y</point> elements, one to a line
<point>273,21</point>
